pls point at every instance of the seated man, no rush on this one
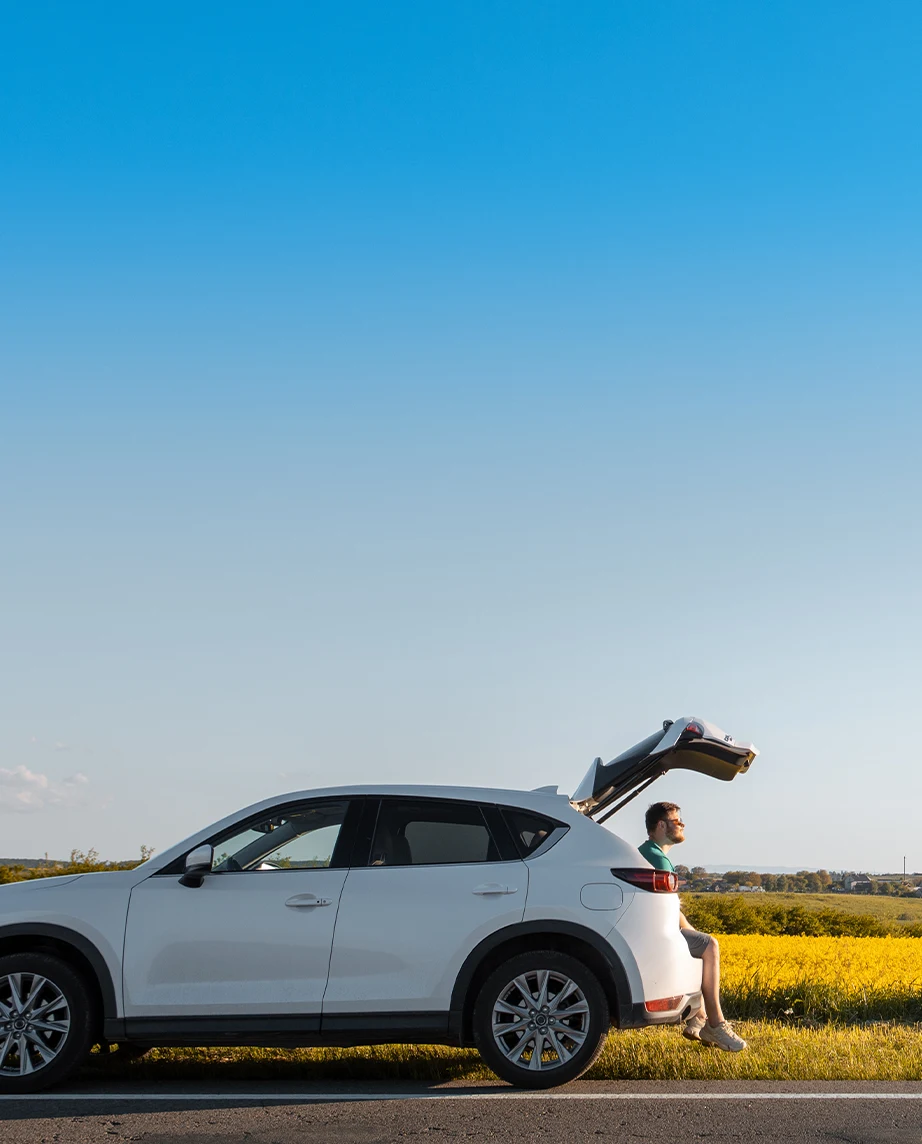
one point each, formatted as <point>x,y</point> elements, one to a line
<point>665,829</point>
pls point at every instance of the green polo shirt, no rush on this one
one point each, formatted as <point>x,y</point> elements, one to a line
<point>655,856</point>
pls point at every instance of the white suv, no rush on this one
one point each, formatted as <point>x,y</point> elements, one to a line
<point>362,915</point>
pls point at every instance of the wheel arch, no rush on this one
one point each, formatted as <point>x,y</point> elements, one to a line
<point>71,947</point>
<point>564,937</point>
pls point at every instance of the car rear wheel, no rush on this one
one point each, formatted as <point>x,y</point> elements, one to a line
<point>540,1019</point>
<point>46,1021</point>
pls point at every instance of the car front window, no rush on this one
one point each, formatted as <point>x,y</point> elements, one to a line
<point>302,838</point>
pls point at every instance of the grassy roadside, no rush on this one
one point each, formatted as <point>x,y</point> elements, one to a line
<point>777,1051</point>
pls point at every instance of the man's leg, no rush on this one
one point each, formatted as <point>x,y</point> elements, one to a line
<point>710,983</point>
<point>708,1025</point>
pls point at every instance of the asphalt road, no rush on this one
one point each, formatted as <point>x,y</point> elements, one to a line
<point>585,1111</point>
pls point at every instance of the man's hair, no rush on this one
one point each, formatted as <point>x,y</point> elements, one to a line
<point>656,812</point>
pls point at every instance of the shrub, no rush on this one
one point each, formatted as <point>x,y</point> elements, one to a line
<point>80,862</point>
<point>736,915</point>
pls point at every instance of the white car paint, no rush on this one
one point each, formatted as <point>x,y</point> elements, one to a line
<point>403,932</point>
<point>251,942</point>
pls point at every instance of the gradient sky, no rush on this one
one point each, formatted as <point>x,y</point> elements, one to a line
<point>451,393</point>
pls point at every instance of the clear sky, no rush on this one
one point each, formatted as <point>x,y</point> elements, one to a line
<point>449,392</point>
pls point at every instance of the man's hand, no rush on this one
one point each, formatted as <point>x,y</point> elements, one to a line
<point>684,923</point>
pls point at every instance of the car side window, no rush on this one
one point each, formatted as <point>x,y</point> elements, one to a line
<point>430,832</point>
<point>530,830</point>
<point>303,837</point>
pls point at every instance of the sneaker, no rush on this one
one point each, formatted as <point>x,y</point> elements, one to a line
<point>722,1037</point>
<point>693,1027</point>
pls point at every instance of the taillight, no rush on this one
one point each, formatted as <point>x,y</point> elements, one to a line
<point>656,881</point>
<point>663,1004</point>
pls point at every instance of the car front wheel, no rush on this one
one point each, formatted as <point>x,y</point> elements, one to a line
<point>540,1019</point>
<point>46,1019</point>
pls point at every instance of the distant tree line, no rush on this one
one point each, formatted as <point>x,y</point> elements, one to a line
<point>699,880</point>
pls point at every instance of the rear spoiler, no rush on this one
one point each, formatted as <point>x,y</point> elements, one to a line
<point>688,744</point>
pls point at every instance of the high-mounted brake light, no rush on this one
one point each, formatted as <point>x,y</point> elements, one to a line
<point>693,729</point>
<point>656,881</point>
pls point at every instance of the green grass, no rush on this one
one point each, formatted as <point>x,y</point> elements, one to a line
<point>884,909</point>
<point>777,1051</point>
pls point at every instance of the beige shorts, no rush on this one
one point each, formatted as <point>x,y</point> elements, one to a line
<point>697,942</point>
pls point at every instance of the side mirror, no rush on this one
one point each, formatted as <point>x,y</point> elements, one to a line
<point>198,864</point>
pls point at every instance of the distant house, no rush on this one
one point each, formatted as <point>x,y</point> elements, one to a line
<point>858,884</point>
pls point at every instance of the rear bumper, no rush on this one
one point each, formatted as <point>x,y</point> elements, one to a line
<point>636,1016</point>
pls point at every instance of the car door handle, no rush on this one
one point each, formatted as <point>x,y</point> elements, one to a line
<point>494,888</point>
<point>301,900</point>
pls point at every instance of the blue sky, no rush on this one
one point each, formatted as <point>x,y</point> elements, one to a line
<point>451,393</point>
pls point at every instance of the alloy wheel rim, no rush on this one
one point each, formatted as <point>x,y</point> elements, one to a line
<point>540,1020</point>
<point>34,1023</point>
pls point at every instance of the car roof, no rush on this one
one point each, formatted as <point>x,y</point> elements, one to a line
<point>543,801</point>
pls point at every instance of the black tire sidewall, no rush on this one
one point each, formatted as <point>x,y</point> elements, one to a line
<point>79,1038</point>
<point>587,981</point>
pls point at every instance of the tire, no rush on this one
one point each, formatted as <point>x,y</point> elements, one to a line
<point>46,1021</point>
<point>539,985</point>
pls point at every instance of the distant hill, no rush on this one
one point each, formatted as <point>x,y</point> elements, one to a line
<point>714,869</point>
<point>33,863</point>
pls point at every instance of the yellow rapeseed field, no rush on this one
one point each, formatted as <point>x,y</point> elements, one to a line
<point>825,978</point>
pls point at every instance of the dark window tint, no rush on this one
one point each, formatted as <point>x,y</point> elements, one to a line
<point>528,829</point>
<point>430,833</point>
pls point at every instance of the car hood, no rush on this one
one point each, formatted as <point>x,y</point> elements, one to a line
<point>689,744</point>
<point>32,884</point>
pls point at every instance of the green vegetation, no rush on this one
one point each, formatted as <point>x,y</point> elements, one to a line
<point>884,909</point>
<point>817,915</point>
<point>78,863</point>
<point>777,1051</point>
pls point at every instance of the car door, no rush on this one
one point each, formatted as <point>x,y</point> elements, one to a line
<point>438,880</point>
<point>255,937</point>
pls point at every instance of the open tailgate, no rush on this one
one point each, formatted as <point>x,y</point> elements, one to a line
<point>688,744</point>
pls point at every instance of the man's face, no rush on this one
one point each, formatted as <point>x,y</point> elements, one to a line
<point>673,828</point>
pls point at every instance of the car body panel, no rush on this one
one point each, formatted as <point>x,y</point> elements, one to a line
<point>92,907</point>
<point>241,943</point>
<point>389,955</point>
<point>650,929</point>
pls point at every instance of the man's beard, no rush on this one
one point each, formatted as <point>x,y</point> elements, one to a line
<point>675,837</point>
